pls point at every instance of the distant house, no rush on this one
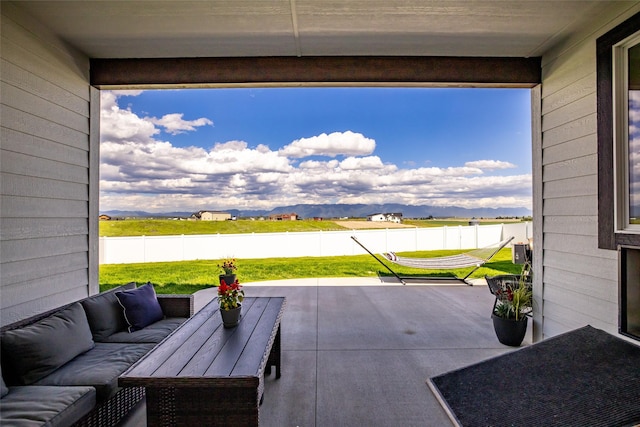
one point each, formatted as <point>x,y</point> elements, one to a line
<point>212,216</point>
<point>388,217</point>
<point>283,217</point>
<point>104,217</point>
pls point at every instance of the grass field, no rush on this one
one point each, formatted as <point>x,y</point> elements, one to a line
<point>167,227</point>
<point>186,277</point>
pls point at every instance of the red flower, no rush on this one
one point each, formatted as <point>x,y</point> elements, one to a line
<point>230,296</point>
<point>223,288</point>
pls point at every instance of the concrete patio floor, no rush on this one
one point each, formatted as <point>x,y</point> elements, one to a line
<point>358,351</point>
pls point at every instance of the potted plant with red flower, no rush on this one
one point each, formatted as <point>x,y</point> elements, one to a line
<point>230,298</point>
<point>229,266</point>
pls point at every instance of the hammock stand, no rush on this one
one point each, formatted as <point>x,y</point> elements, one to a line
<point>442,263</point>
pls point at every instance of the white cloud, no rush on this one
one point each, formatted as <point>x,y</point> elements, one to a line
<point>337,143</point>
<point>120,125</point>
<point>174,124</point>
<point>490,164</point>
<point>361,163</point>
<point>141,172</point>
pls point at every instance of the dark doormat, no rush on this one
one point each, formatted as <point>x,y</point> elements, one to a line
<point>585,378</point>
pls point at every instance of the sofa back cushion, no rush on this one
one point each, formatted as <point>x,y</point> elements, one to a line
<point>141,307</point>
<point>105,314</point>
<point>34,351</point>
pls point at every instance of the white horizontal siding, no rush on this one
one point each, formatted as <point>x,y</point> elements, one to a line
<point>22,164</point>
<point>577,244</point>
<point>570,103</point>
<point>31,47</point>
<point>30,207</point>
<point>19,311</point>
<point>15,76</point>
<point>44,247</point>
<point>35,125</point>
<point>575,148</point>
<point>566,70</point>
<point>26,228</point>
<point>571,206</point>
<point>580,281</point>
<point>574,129</point>
<point>30,186</point>
<point>23,271</point>
<point>571,187</point>
<point>560,318</point>
<point>19,142</point>
<point>44,167</point>
<point>48,110</point>
<point>62,281</point>
<point>585,266</point>
<point>580,226</point>
<point>569,168</point>
<point>593,311</point>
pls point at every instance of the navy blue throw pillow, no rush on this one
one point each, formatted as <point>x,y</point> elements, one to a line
<point>141,307</point>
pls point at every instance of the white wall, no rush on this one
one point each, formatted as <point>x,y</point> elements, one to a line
<point>124,250</point>
<point>580,281</point>
<point>44,169</point>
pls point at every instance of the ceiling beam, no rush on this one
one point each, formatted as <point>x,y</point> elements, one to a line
<point>318,70</point>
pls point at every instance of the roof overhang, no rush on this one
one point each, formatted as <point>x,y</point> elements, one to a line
<point>316,71</point>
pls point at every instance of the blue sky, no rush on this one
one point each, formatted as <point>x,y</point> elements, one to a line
<point>258,148</point>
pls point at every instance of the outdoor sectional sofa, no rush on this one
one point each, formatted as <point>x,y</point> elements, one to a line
<point>61,368</point>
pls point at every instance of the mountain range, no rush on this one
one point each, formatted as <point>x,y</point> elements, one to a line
<point>350,211</point>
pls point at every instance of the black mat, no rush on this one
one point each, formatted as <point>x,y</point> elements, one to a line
<point>585,377</point>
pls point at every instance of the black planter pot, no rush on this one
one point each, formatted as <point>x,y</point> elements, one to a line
<point>228,278</point>
<point>509,331</point>
<point>231,317</point>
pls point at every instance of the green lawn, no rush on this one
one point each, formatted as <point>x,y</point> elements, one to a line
<point>167,227</point>
<point>186,277</point>
<point>448,222</point>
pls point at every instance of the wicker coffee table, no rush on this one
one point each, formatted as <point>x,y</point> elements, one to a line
<point>205,374</point>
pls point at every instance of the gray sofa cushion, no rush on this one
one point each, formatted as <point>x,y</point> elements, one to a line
<point>153,333</point>
<point>105,314</point>
<point>29,406</point>
<point>99,367</point>
<point>141,306</point>
<point>36,350</point>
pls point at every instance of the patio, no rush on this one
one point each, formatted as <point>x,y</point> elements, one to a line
<point>358,351</point>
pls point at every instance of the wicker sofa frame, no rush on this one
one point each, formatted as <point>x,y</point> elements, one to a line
<point>111,411</point>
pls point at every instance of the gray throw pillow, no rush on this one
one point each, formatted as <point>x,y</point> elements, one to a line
<point>36,350</point>
<point>104,314</point>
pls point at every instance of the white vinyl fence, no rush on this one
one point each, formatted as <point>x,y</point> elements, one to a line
<point>125,250</point>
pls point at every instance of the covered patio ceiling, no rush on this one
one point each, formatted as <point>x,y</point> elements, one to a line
<point>299,28</point>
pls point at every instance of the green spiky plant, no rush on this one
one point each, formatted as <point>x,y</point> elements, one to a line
<point>515,299</point>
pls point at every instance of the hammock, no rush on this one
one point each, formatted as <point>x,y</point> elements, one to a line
<point>474,258</point>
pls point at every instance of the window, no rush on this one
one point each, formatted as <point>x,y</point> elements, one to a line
<point>618,92</point>
<point>629,258</point>
<point>626,90</point>
<point>618,62</point>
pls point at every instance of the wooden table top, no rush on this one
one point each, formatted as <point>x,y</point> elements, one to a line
<point>202,352</point>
